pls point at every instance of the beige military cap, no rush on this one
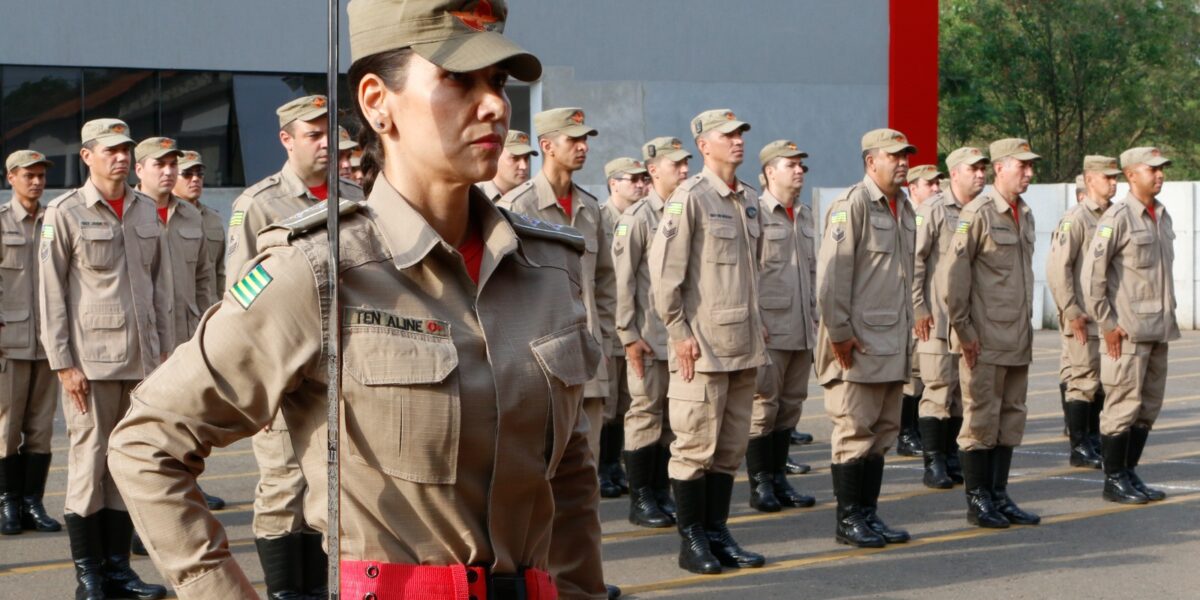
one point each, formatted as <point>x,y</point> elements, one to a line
<point>568,121</point>
<point>1103,164</point>
<point>156,147</point>
<point>26,158</point>
<point>623,166</point>
<point>355,161</point>
<point>667,146</point>
<point>888,140</point>
<point>721,119</point>
<point>106,132</point>
<point>456,35</point>
<point>967,155</point>
<point>1079,183</point>
<point>1014,147</point>
<point>517,143</point>
<point>780,149</point>
<point>926,172</point>
<point>189,159</point>
<point>1143,155</point>
<point>345,142</point>
<point>302,109</point>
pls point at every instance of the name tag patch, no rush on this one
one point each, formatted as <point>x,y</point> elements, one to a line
<point>370,317</point>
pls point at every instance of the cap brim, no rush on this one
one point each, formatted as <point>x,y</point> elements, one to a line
<point>731,127</point>
<point>161,153</point>
<point>475,51</point>
<point>1025,156</point>
<point>113,140</point>
<point>898,148</point>
<point>348,145</point>
<point>521,150</point>
<point>1108,172</point>
<point>576,131</point>
<point>183,166</point>
<point>678,155</point>
<point>27,164</point>
<point>1158,161</point>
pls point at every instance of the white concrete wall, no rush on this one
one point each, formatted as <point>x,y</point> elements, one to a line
<point>1050,201</point>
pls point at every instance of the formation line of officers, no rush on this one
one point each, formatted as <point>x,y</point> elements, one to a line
<point>513,350</point>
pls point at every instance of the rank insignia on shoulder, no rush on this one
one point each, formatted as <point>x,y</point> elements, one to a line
<point>1105,232</point>
<point>963,225</point>
<point>675,208</point>
<point>622,229</point>
<point>838,234</point>
<point>1099,251</point>
<point>920,220</point>
<point>239,217</point>
<point>247,290</point>
<point>840,216</point>
<point>1066,226</point>
<point>47,232</point>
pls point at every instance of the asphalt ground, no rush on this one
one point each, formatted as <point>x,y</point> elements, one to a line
<point>1084,548</point>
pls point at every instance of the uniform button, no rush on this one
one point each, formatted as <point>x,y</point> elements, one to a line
<point>372,571</point>
<point>472,576</point>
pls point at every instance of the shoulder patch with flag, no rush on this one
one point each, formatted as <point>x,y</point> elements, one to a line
<point>675,208</point>
<point>963,225</point>
<point>1105,231</point>
<point>239,217</point>
<point>248,289</point>
<point>920,220</point>
<point>622,229</point>
<point>1066,226</point>
<point>839,217</point>
<point>47,232</point>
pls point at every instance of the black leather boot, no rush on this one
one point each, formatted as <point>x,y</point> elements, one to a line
<point>852,527</point>
<point>10,495</point>
<point>794,468</point>
<point>934,453</point>
<point>719,492</point>
<point>1001,464</point>
<point>1062,401</point>
<point>1117,486</point>
<point>662,480</point>
<point>873,483</point>
<point>136,547</point>
<point>695,554</point>
<point>977,477</point>
<point>618,472</point>
<point>800,438</point>
<point>605,463</point>
<point>1137,443</point>
<point>33,513</point>
<point>86,553</point>
<point>213,502</point>
<point>121,580</point>
<point>1082,454</point>
<point>612,591</point>
<point>950,439</point>
<point>316,566</point>
<point>759,463</point>
<point>909,442</point>
<point>643,506</point>
<point>784,492</point>
<point>1096,406</point>
<point>281,559</point>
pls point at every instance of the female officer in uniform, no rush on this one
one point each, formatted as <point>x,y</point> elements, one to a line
<point>464,349</point>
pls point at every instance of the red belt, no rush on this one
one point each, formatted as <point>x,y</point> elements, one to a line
<point>370,580</point>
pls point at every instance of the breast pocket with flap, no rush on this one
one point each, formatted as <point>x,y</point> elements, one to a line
<point>565,357</point>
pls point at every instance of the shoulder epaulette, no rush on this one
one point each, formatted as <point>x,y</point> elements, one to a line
<point>586,193</point>
<point>691,182</point>
<point>314,217</point>
<point>540,229</point>
<point>4,207</point>
<point>265,184</point>
<point>748,186</point>
<point>348,188</point>
<point>63,198</point>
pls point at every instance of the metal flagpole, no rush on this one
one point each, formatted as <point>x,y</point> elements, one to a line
<point>333,527</point>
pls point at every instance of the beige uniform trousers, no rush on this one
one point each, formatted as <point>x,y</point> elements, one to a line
<point>28,391</point>
<point>993,405</point>
<point>1134,386</point>
<point>279,496</point>
<point>1082,373</point>
<point>866,417</point>
<point>710,416</point>
<point>1064,361</point>
<point>646,421</point>
<point>782,390</point>
<point>594,409</point>
<point>617,404</point>
<point>915,386</point>
<point>89,485</point>
<point>943,394</point>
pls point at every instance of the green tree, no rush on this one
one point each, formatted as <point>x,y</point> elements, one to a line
<point>1075,77</point>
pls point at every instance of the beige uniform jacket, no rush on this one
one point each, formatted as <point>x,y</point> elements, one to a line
<point>490,190</point>
<point>636,318</point>
<point>535,198</point>
<point>191,267</point>
<point>864,283</point>
<point>936,220</point>
<point>214,238</point>
<point>606,280</point>
<point>1127,274</point>
<point>787,275</point>
<point>105,294</point>
<point>988,280</point>
<point>703,273</point>
<point>1072,239</point>
<point>279,196</point>
<point>462,434</point>
<point>19,282</point>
